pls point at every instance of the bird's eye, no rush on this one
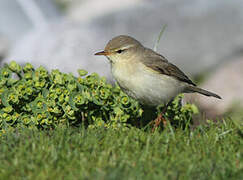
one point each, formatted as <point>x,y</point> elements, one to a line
<point>120,51</point>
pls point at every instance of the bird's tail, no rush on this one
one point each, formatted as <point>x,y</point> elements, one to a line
<point>192,89</point>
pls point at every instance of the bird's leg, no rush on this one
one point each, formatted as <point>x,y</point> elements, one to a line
<point>160,117</point>
<point>158,120</point>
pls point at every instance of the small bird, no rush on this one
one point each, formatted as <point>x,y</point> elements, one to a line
<point>146,75</point>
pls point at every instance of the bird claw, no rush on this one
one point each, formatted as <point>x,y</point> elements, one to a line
<point>158,120</point>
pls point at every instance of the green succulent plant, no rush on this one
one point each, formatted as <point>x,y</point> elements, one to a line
<point>35,98</point>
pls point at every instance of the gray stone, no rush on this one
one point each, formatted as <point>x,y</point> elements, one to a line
<point>17,17</point>
<point>226,81</point>
<point>199,34</point>
<point>4,47</point>
<point>65,46</point>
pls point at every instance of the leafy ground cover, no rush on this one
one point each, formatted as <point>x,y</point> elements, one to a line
<point>36,98</point>
<point>212,151</point>
<point>57,126</point>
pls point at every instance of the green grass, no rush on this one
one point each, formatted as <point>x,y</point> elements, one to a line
<point>207,152</point>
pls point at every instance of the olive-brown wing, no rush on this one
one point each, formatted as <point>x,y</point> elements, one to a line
<point>160,64</point>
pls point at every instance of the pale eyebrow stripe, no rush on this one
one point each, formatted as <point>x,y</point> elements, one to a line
<point>125,47</point>
<point>128,46</point>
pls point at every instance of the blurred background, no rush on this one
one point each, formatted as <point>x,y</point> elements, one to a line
<point>203,37</point>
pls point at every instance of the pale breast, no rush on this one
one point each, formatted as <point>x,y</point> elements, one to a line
<point>144,84</point>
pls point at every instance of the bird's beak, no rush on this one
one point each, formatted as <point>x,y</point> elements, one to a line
<point>102,53</point>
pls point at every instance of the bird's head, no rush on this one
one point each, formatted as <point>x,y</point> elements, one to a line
<point>121,48</point>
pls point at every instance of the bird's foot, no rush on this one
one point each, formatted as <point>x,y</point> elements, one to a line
<point>158,120</point>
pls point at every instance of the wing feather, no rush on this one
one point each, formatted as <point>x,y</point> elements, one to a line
<point>160,64</point>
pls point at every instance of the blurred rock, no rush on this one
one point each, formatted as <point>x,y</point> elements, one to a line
<point>226,81</point>
<point>65,46</point>
<point>87,10</point>
<point>4,47</point>
<point>199,33</point>
<point>17,17</point>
